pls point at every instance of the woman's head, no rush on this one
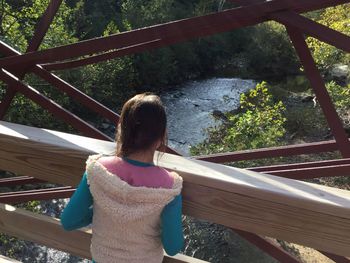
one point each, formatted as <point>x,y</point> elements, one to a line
<point>142,125</point>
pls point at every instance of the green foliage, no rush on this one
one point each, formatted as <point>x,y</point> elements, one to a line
<point>10,246</point>
<point>60,32</point>
<point>341,99</point>
<point>302,125</point>
<point>110,82</point>
<point>269,52</point>
<point>32,206</point>
<point>337,18</point>
<point>260,124</point>
<point>92,17</point>
<point>18,23</point>
<point>10,28</point>
<point>340,95</point>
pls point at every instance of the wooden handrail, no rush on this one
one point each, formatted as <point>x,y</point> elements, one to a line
<point>309,214</point>
<point>4,259</point>
<point>48,231</point>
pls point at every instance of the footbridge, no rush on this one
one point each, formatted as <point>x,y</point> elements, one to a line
<point>261,202</point>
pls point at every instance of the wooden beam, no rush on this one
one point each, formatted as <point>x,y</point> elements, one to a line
<point>300,212</point>
<point>171,32</point>
<point>4,259</point>
<point>43,230</point>
<point>48,231</point>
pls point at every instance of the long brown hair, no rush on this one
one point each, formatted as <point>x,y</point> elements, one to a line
<point>142,123</point>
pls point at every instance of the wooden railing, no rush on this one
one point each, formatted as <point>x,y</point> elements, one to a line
<point>8,260</point>
<point>48,231</point>
<point>304,213</point>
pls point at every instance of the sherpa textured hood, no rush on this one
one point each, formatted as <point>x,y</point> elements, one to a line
<point>126,219</point>
<point>121,200</point>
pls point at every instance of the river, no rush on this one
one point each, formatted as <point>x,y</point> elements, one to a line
<point>190,107</point>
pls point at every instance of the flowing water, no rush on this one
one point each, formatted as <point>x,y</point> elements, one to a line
<point>190,108</point>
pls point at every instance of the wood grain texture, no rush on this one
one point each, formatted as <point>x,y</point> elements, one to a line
<point>48,231</point>
<point>4,259</point>
<point>300,212</point>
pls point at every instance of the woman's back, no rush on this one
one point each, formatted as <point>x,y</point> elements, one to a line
<point>126,218</point>
<point>134,207</point>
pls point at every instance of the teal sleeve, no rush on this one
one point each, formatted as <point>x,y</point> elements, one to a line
<point>171,220</point>
<point>78,213</point>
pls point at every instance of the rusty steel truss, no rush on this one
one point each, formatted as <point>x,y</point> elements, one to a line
<point>14,66</point>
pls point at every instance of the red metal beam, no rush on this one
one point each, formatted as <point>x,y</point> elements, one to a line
<point>246,2</point>
<point>43,25</point>
<point>177,31</point>
<point>268,247</point>
<point>313,29</point>
<point>34,44</point>
<point>6,101</point>
<point>42,194</point>
<point>320,90</point>
<point>300,165</point>
<point>52,107</point>
<point>75,93</point>
<point>105,56</point>
<point>19,180</point>
<point>65,87</point>
<point>184,29</point>
<point>309,5</point>
<point>313,172</point>
<point>305,148</point>
<point>37,191</point>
